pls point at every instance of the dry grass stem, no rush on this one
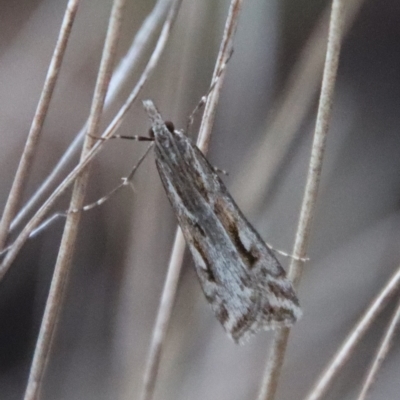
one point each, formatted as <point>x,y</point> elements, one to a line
<point>118,80</point>
<point>174,268</point>
<point>39,216</point>
<point>20,179</point>
<point>225,52</point>
<point>278,349</point>
<point>133,330</point>
<point>381,353</point>
<point>163,317</point>
<point>292,108</point>
<point>343,353</point>
<point>66,251</point>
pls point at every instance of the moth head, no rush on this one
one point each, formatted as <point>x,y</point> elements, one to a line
<point>170,126</point>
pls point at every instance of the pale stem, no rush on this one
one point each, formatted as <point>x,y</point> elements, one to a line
<point>279,345</point>
<point>290,110</point>
<point>175,265</point>
<point>66,251</point>
<point>37,219</point>
<point>118,80</point>
<point>381,353</point>
<point>21,176</point>
<point>353,338</point>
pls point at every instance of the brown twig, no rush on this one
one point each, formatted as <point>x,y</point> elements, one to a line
<point>278,349</point>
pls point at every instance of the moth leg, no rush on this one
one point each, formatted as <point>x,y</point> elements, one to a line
<point>126,181</point>
<point>282,253</point>
<point>220,171</point>
<point>203,100</point>
<point>44,225</point>
<point>135,137</point>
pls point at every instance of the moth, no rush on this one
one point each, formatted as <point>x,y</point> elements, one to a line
<point>240,276</point>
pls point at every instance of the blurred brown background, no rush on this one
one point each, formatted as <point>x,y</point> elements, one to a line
<point>124,246</point>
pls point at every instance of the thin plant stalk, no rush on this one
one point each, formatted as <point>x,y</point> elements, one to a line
<point>381,353</point>
<point>66,251</point>
<point>39,216</point>
<point>175,264</point>
<point>118,80</point>
<point>279,345</point>
<point>324,381</point>
<point>289,112</point>
<point>21,176</point>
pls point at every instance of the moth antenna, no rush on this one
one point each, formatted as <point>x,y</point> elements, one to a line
<point>203,100</point>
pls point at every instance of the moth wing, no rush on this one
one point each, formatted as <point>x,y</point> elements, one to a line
<point>246,287</point>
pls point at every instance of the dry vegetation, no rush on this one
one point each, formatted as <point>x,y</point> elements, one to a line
<point>263,135</point>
